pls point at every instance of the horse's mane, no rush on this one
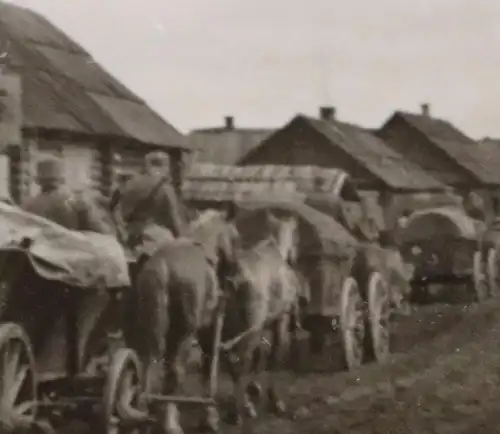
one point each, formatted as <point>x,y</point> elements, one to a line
<point>205,224</point>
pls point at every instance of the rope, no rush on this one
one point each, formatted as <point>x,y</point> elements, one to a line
<point>230,344</point>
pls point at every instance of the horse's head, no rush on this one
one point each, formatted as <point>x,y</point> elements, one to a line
<point>220,239</point>
<point>284,231</point>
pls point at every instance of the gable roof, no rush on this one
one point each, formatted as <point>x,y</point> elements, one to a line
<point>65,89</point>
<point>458,146</point>
<point>222,145</point>
<point>370,152</point>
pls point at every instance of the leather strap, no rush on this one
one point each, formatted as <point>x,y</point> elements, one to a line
<point>146,199</point>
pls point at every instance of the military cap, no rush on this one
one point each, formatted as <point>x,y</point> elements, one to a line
<point>50,169</point>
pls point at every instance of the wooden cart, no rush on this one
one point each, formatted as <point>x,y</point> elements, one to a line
<point>347,298</point>
<point>446,246</point>
<point>61,352</point>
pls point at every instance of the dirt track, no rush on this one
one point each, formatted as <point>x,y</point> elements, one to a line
<point>443,378</point>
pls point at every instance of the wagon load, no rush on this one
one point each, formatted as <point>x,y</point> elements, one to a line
<point>218,183</point>
<point>86,260</point>
<point>339,306</point>
<point>362,222</point>
<point>447,246</point>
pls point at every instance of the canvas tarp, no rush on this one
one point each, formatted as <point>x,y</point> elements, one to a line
<point>441,222</point>
<point>318,233</point>
<point>85,260</point>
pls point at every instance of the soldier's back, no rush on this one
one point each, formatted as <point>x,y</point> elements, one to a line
<point>139,193</point>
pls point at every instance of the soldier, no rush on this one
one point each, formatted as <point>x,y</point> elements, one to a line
<point>65,208</point>
<point>149,206</point>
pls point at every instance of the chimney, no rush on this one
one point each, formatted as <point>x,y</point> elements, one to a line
<point>426,109</point>
<point>327,113</point>
<point>229,122</point>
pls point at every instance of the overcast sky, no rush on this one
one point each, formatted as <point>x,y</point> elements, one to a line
<point>262,61</point>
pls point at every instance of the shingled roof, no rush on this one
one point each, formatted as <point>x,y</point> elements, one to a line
<point>370,152</point>
<point>458,146</point>
<point>65,89</point>
<point>226,144</point>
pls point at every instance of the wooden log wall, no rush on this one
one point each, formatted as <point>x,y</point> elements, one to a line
<point>83,164</point>
<point>20,170</point>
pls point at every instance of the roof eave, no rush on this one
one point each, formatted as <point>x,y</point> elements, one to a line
<point>116,139</point>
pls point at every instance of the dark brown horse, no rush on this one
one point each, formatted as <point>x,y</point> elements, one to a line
<point>178,289</point>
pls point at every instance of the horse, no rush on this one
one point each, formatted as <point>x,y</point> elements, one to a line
<point>264,297</point>
<point>178,288</point>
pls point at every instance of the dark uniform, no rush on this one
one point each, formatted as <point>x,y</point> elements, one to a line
<point>65,208</point>
<point>149,206</point>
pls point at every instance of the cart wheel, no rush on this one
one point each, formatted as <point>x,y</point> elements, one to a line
<point>18,382</point>
<point>352,324</point>
<point>122,394</point>
<point>492,272</point>
<point>479,284</point>
<point>378,318</point>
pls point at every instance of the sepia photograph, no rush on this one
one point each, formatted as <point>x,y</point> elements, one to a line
<point>249,217</point>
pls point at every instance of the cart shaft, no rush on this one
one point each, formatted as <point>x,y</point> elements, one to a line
<point>193,400</point>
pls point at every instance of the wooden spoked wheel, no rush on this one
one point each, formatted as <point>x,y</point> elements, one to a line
<point>122,393</point>
<point>378,318</point>
<point>492,272</point>
<point>352,324</point>
<point>479,283</point>
<point>18,382</point>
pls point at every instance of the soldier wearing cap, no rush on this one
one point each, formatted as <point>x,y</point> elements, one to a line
<point>63,207</point>
<point>149,206</point>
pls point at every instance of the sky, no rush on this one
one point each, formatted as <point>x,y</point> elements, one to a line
<point>263,61</point>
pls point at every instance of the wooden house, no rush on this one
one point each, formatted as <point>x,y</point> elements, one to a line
<point>381,175</point>
<point>226,144</point>
<point>443,151</point>
<point>73,108</point>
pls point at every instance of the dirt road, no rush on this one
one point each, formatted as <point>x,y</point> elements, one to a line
<point>443,378</point>
<point>449,384</point>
